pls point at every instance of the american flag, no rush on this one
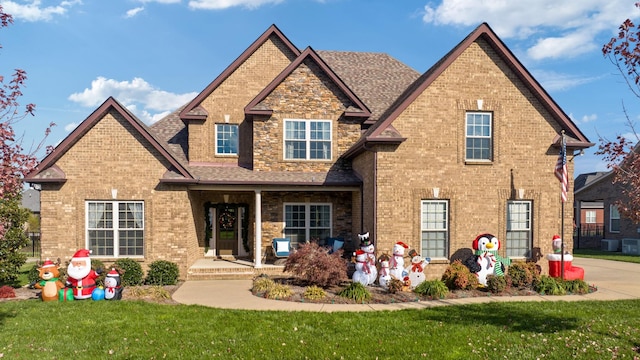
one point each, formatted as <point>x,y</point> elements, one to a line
<point>561,169</point>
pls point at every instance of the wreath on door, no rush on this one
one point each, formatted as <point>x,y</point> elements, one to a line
<point>226,220</point>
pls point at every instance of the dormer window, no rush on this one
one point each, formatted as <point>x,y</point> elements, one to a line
<point>307,139</point>
<point>226,139</point>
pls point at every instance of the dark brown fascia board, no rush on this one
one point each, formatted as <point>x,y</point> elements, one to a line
<point>89,122</point>
<point>485,31</point>
<point>307,53</point>
<point>272,30</point>
<point>257,183</point>
<point>363,145</point>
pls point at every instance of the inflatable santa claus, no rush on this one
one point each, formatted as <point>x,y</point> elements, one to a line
<point>80,277</point>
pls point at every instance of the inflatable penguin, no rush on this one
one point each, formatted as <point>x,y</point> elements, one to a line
<point>486,260</point>
<point>113,289</point>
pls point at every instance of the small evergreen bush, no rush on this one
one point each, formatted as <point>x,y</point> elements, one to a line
<point>314,265</point>
<point>576,286</point>
<point>279,291</point>
<point>523,274</point>
<point>262,284</point>
<point>33,276</point>
<point>162,272</point>
<point>548,285</point>
<point>98,266</point>
<point>436,289</point>
<point>130,271</point>
<point>457,276</point>
<point>314,293</point>
<point>357,292</point>
<point>496,284</point>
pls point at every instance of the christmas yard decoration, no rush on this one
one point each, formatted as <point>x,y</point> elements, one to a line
<point>80,277</point>
<point>49,281</point>
<point>113,289</point>
<point>363,270</point>
<point>396,263</point>
<point>555,262</point>
<point>486,260</point>
<point>385,275</point>
<point>415,270</point>
<point>366,245</point>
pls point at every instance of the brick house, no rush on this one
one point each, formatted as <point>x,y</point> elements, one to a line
<point>595,199</point>
<point>315,144</point>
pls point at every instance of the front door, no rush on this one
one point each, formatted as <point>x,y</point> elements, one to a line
<point>227,229</point>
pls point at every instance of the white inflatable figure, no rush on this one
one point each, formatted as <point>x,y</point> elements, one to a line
<point>416,268</point>
<point>385,276</point>
<point>490,263</point>
<point>366,245</point>
<point>396,264</point>
<point>362,272</point>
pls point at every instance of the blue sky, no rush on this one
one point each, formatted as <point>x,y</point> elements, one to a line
<point>156,55</point>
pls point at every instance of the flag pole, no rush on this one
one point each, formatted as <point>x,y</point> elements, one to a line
<point>564,150</point>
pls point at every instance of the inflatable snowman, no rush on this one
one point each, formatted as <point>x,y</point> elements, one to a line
<point>385,276</point>
<point>486,260</point>
<point>362,273</point>
<point>415,270</point>
<point>396,263</point>
<point>366,245</point>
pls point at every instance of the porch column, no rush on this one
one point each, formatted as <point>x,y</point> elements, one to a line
<point>258,247</point>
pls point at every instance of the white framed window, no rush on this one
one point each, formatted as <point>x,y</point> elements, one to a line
<point>590,216</point>
<point>307,221</point>
<point>434,228</point>
<point>478,136</point>
<point>115,228</point>
<point>614,219</point>
<point>519,234</point>
<point>307,139</point>
<point>226,139</point>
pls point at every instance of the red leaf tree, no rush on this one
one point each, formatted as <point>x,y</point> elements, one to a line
<point>15,163</point>
<point>621,155</point>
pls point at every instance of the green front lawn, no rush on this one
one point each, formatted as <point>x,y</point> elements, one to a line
<point>606,255</point>
<point>130,329</point>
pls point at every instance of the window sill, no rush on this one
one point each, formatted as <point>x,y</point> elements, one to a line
<point>478,162</point>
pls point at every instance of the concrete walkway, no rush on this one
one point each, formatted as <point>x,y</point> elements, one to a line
<point>615,281</point>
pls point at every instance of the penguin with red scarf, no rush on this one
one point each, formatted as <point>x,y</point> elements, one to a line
<point>80,277</point>
<point>486,260</point>
<point>112,287</point>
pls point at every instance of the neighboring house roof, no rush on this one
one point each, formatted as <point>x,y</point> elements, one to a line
<point>587,180</point>
<point>31,200</point>
<point>256,108</point>
<point>382,130</point>
<point>193,110</point>
<point>47,171</point>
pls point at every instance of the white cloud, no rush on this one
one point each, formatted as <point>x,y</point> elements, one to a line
<point>35,11</point>
<point>133,12</point>
<point>589,118</point>
<point>224,4</point>
<point>559,28</point>
<point>70,126</point>
<point>147,102</point>
<point>554,81</point>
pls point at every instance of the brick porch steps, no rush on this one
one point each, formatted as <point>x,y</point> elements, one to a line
<point>218,269</point>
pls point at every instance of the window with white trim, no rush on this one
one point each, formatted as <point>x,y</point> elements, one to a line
<point>226,139</point>
<point>614,219</point>
<point>115,228</point>
<point>306,221</point>
<point>519,236</point>
<point>590,216</point>
<point>434,227</point>
<point>478,136</point>
<point>307,139</point>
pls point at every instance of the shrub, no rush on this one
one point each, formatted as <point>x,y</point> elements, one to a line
<point>153,292</point>
<point>13,237</point>
<point>314,265</point>
<point>394,285</point>
<point>162,272</point>
<point>33,276</point>
<point>436,289</point>
<point>98,265</point>
<point>279,291</point>
<point>314,293</point>
<point>262,284</point>
<point>458,276</point>
<point>7,292</point>
<point>130,271</point>
<point>548,285</point>
<point>523,274</point>
<point>357,292</point>
<point>576,286</point>
<point>496,284</point>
